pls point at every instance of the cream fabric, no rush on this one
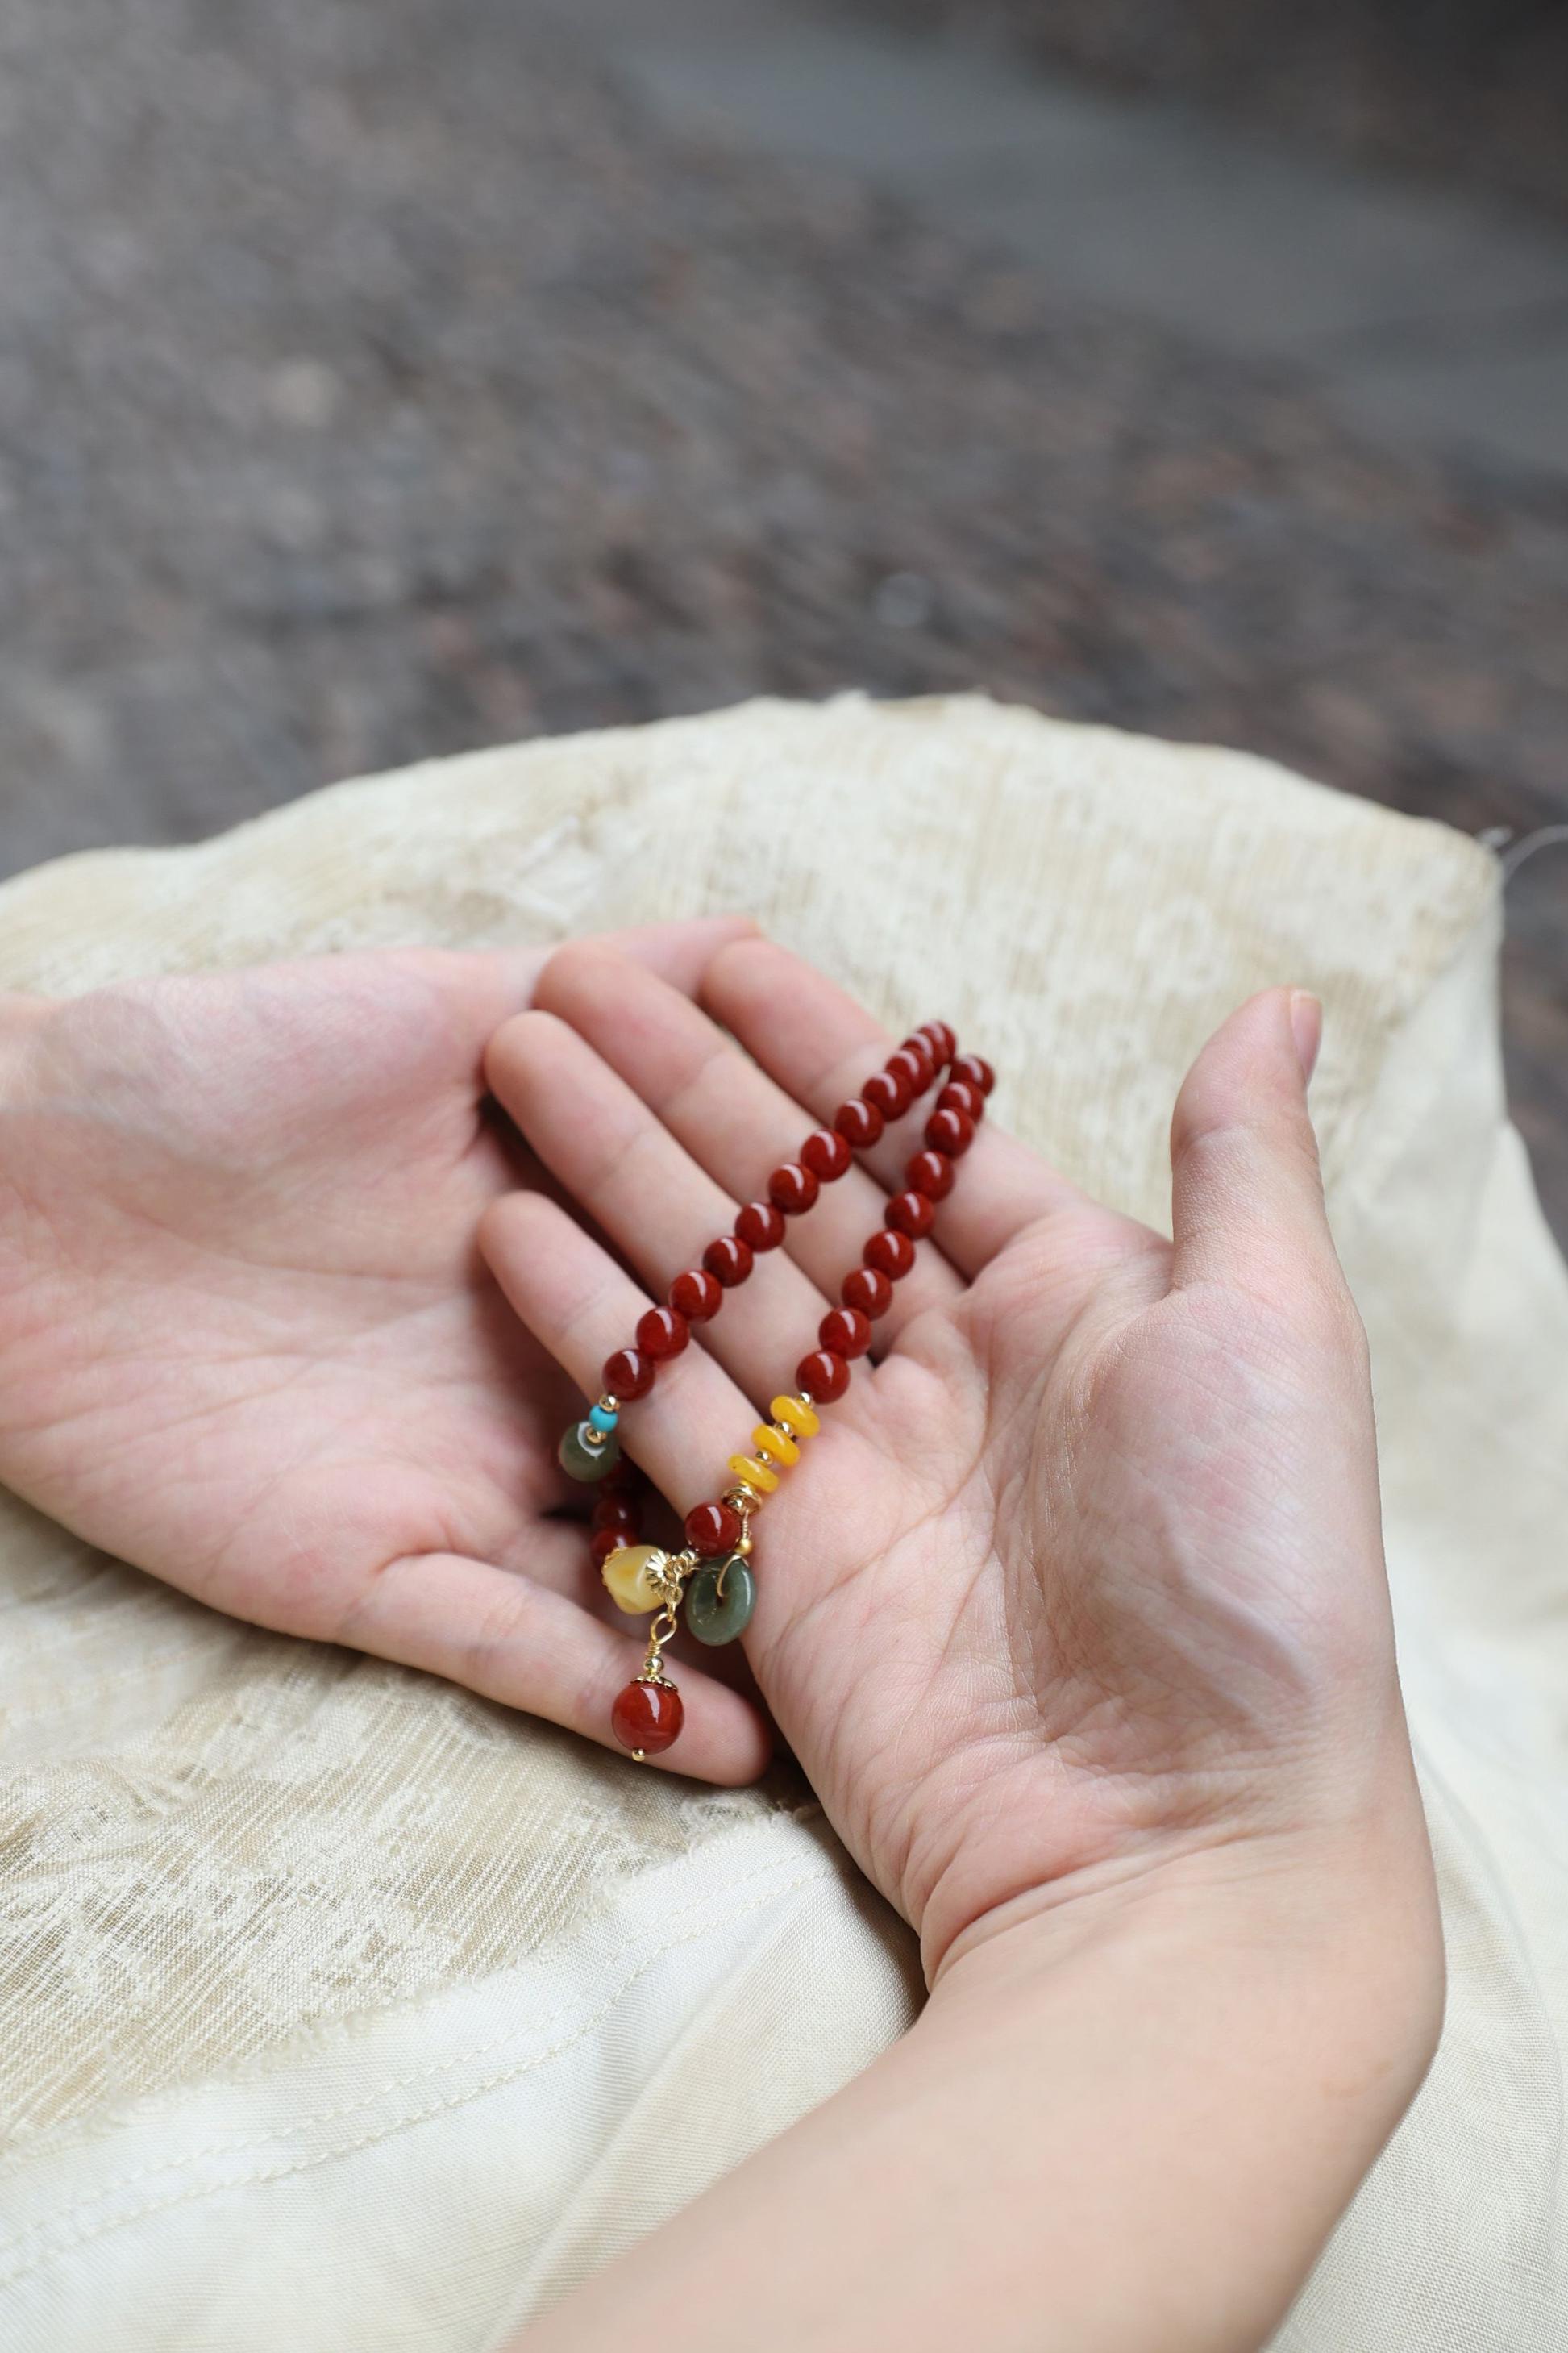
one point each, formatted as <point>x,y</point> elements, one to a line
<point>343,2010</point>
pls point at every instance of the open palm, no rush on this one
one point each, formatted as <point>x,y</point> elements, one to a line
<point>246,1338</point>
<point>1086,1564</point>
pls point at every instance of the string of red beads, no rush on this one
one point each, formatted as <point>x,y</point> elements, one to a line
<point>648,1715</point>
<point>697,1296</point>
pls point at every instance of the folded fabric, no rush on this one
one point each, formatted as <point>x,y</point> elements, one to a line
<point>343,2008</point>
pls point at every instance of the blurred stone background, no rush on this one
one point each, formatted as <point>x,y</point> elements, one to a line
<point>377,382</point>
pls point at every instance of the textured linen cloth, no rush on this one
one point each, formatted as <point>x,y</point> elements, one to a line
<point>341,2009</point>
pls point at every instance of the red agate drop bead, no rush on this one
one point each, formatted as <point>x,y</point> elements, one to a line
<point>648,1716</point>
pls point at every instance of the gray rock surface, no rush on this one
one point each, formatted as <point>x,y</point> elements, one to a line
<point>377,382</point>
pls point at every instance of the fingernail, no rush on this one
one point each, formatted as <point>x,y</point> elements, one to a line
<point>1306,1030</point>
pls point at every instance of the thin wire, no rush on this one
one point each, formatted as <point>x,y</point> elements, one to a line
<point>1545,836</point>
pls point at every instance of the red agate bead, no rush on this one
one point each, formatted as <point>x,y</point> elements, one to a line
<point>647,1716</point>
<point>929,1173</point>
<point>961,1095</point>
<point>911,1213</point>
<point>729,1259</point>
<point>696,1294</point>
<point>616,1512</point>
<point>714,1528</point>
<point>825,1153</point>
<point>760,1226</point>
<point>952,1132</point>
<point>823,1375</point>
<point>791,1188</point>
<point>627,1374</point>
<point>890,1252</point>
<point>885,1092</point>
<point>860,1123</point>
<point>976,1069</point>
<point>913,1071</point>
<point>605,1541</point>
<point>919,1053</point>
<point>662,1332</point>
<point>864,1287</point>
<point>943,1040</point>
<point>844,1332</point>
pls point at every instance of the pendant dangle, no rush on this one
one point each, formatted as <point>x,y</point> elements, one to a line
<point>714,1578</point>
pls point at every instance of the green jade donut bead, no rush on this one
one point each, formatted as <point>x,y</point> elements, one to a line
<point>714,1617</point>
<point>580,1460</point>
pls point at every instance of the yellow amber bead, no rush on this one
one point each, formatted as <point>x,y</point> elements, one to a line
<point>795,1415</point>
<point>626,1573</point>
<point>759,1475</point>
<point>775,1445</point>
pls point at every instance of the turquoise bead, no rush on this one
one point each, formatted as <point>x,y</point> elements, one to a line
<point>580,1460</point>
<point>600,1420</point>
<point>714,1617</point>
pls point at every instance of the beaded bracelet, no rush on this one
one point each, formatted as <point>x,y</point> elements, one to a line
<point>713,1574</point>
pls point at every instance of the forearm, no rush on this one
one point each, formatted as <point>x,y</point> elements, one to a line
<point>1126,2125</point>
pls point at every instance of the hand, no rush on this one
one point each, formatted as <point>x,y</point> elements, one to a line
<point>1084,1575</point>
<point>246,1339</point>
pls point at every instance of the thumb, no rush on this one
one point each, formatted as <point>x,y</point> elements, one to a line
<point>1246,1198</point>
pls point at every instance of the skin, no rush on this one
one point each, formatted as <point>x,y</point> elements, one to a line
<point>1075,1613</point>
<point>247,1341</point>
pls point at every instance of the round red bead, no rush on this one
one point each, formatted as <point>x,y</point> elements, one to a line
<point>976,1069</point>
<point>825,1153</point>
<point>890,1253</point>
<point>924,1060</point>
<point>616,1512</point>
<point>913,1071</point>
<point>662,1332</point>
<point>760,1226</point>
<point>729,1259</point>
<point>626,1374</point>
<point>952,1132</point>
<point>696,1294</point>
<point>886,1094</point>
<point>911,1213</point>
<point>943,1040</point>
<point>647,1716</point>
<point>823,1375</point>
<point>858,1122</point>
<point>713,1528</point>
<point>929,1173</point>
<point>605,1541</point>
<point>791,1188</point>
<point>959,1094</point>
<point>844,1332</point>
<point>865,1288</point>
<point>622,1478</point>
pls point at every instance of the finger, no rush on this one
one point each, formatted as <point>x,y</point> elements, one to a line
<point>512,1641</point>
<point>581,1305</point>
<point>732,1117</point>
<point>819,1044</point>
<point>484,986</point>
<point>1246,1193</point>
<point>647,1195</point>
